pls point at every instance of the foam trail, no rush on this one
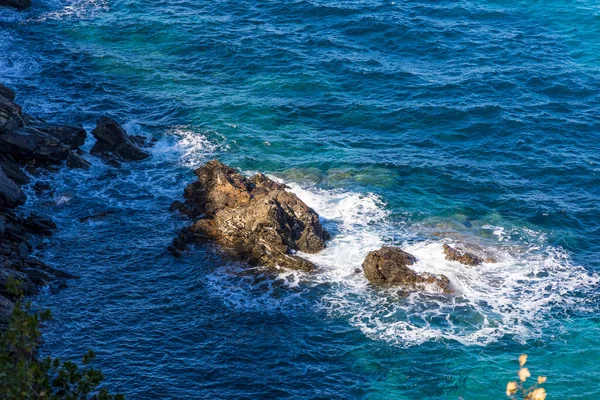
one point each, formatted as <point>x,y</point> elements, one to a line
<point>531,285</point>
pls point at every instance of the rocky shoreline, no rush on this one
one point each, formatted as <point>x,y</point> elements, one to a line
<point>29,146</point>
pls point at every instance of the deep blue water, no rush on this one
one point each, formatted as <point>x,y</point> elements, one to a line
<point>412,123</point>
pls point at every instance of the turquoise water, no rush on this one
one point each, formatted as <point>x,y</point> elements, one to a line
<point>410,123</point>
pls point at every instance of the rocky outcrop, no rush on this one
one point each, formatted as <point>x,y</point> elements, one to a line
<point>461,256</point>
<point>33,143</point>
<point>389,266</point>
<point>72,136</point>
<point>30,141</point>
<point>255,219</point>
<point>114,145</point>
<point>18,4</point>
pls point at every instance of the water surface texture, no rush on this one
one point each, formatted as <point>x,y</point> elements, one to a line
<point>409,123</point>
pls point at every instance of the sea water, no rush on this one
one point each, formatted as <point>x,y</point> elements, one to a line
<point>406,123</point>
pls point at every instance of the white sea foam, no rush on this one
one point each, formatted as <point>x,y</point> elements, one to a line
<point>528,287</point>
<point>191,146</point>
<point>78,9</point>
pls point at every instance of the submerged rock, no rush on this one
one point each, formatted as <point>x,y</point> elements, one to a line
<point>98,216</point>
<point>388,266</point>
<point>460,256</point>
<point>114,144</point>
<point>254,219</point>
<point>18,4</point>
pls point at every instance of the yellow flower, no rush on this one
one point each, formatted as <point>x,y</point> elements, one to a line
<point>511,388</point>
<point>541,379</point>
<point>522,359</point>
<point>538,394</point>
<point>524,374</point>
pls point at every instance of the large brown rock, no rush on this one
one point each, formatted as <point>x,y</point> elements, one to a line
<point>461,256</point>
<point>389,266</point>
<point>113,142</point>
<point>255,219</point>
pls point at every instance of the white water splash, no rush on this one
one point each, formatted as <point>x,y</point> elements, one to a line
<point>192,146</point>
<point>527,289</point>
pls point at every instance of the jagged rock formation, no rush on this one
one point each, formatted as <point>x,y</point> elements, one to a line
<point>389,266</point>
<point>32,143</point>
<point>114,144</point>
<point>255,219</point>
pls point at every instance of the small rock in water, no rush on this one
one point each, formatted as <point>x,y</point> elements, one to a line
<point>114,144</point>
<point>460,256</point>
<point>57,286</point>
<point>388,266</point>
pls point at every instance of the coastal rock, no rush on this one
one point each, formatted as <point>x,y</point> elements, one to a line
<point>28,143</point>
<point>12,170</point>
<point>112,141</point>
<point>75,161</point>
<point>39,225</point>
<point>388,266</point>
<point>254,219</point>
<point>7,92</point>
<point>11,116</point>
<point>72,136</point>
<point>460,256</point>
<point>10,194</point>
<point>18,4</point>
